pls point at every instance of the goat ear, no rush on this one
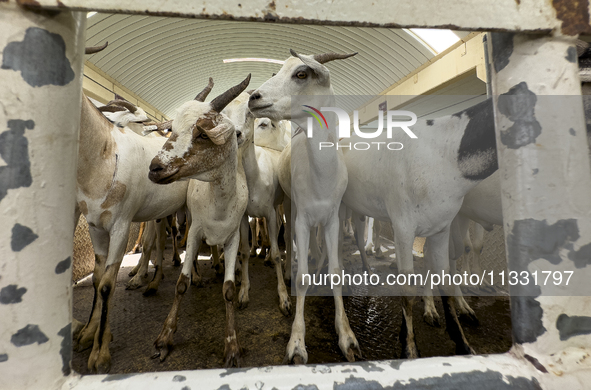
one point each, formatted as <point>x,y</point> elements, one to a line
<point>219,134</point>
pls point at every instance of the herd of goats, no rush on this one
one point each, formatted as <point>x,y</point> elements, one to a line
<point>234,157</point>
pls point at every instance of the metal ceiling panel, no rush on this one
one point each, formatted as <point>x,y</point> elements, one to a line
<point>166,60</point>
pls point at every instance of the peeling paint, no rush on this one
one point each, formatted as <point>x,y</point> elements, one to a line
<point>63,265</point>
<point>14,150</point>
<point>571,54</point>
<point>40,57</point>
<point>21,237</point>
<point>231,371</point>
<point>305,387</point>
<point>370,367</point>
<point>582,257</point>
<point>502,49</point>
<point>518,104</point>
<point>395,364</point>
<point>488,380</point>
<point>118,377</point>
<point>526,319</point>
<point>572,326</point>
<point>12,294</point>
<point>66,348</point>
<point>28,335</point>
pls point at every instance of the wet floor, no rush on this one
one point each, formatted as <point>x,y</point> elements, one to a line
<point>263,332</point>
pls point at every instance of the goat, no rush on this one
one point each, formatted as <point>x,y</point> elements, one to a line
<point>123,113</point>
<point>272,134</point>
<point>204,146</point>
<point>264,195</point>
<point>460,151</point>
<point>482,204</point>
<point>316,181</point>
<point>111,193</point>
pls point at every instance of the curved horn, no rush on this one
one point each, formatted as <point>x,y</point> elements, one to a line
<point>160,127</point>
<point>220,102</point>
<point>95,49</point>
<point>203,94</point>
<point>324,58</point>
<point>112,108</point>
<point>123,103</point>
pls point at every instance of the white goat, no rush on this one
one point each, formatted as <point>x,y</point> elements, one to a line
<point>113,190</point>
<point>272,134</point>
<point>318,180</point>
<point>204,146</point>
<point>123,113</point>
<point>264,194</point>
<point>459,151</point>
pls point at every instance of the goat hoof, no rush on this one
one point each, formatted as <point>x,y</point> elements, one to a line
<point>243,304</point>
<point>297,359</point>
<point>469,318</point>
<point>232,354</point>
<point>285,307</point>
<point>161,353</point>
<point>431,320</point>
<point>350,355</point>
<point>150,290</point>
<point>103,367</point>
<point>410,353</point>
<point>464,349</point>
<point>132,286</point>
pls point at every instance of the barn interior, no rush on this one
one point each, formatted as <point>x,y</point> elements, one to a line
<point>158,63</point>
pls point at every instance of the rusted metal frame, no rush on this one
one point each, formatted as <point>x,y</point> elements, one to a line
<point>40,94</point>
<point>545,181</point>
<point>567,16</point>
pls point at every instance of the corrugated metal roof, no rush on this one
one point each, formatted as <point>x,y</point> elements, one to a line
<point>167,61</point>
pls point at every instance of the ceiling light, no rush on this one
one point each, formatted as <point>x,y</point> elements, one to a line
<point>437,40</point>
<point>226,61</point>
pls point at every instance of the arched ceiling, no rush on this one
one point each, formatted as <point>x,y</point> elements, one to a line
<point>167,61</point>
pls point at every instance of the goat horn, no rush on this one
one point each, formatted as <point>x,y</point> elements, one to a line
<point>324,58</point>
<point>220,102</point>
<point>111,108</point>
<point>95,49</point>
<point>203,94</point>
<point>123,103</point>
<point>161,126</point>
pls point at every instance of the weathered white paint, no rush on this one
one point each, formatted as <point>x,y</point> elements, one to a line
<point>547,180</point>
<point>526,15</point>
<point>46,207</point>
<point>48,303</point>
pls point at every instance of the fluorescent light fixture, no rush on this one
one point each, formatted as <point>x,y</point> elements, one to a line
<point>435,40</point>
<point>229,60</point>
<point>90,14</point>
